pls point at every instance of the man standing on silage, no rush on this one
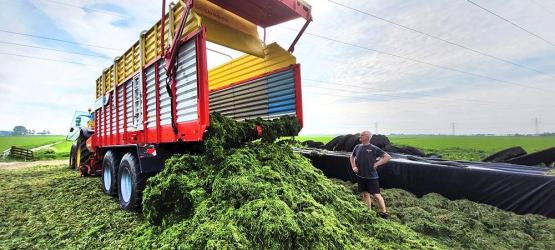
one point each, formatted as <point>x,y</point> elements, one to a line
<point>365,160</point>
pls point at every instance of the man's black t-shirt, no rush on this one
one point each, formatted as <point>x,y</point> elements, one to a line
<point>366,156</point>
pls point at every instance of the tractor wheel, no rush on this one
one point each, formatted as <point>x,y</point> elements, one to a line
<point>109,173</point>
<point>82,155</point>
<point>131,183</point>
<point>72,153</point>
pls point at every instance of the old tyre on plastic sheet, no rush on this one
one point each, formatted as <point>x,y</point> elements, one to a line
<point>394,149</point>
<point>546,157</point>
<point>340,146</point>
<point>505,154</point>
<point>380,141</point>
<point>131,183</point>
<point>109,175</point>
<point>313,144</point>
<point>347,143</point>
<point>413,151</point>
<point>331,145</point>
<point>351,142</point>
<point>72,153</point>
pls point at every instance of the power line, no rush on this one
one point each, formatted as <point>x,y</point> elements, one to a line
<point>364,85</point>
<point>46,59</point>
<point>420,61</point>
<point>440,39</point>
<point>442,103</point>
<point>450,99</point>
<point>543,7</point>
<point>448,127</point>
<point>512,23</point>
<point>56,39</point>
<point>366,97</point>
<point>52,49</point>
<point>375,94</point>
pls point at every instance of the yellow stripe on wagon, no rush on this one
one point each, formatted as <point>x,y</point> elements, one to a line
<point>222,27</point>
<point>248,66</point>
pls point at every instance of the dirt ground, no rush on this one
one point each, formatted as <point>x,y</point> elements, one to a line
<point>26,164</point>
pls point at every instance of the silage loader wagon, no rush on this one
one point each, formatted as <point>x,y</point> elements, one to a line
<point>154,100</point>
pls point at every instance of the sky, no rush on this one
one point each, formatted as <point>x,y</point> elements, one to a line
<point>448,66</point>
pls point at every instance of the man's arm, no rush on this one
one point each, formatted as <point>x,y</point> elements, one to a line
<point>353,159</point>
<point>383,160</point>
<point>353,163</point>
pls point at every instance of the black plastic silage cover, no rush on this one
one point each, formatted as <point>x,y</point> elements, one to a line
<point>520,189</point>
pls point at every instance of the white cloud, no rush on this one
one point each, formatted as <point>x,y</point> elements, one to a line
<point>43,95</point>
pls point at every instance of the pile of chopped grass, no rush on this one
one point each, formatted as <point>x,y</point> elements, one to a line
<point>259,195</point>
<point>225,134</point>
<point>463,224</point>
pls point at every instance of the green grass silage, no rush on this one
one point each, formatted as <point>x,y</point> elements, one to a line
<point>463,224</point>
<point>51,207</point>
<point>262,196</point>
<point>259,195</point>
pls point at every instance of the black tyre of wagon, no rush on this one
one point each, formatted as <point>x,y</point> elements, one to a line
<point>131,183</point>
<point>108,178</point>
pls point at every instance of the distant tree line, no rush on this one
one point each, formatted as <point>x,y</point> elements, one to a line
<point>22,130</point>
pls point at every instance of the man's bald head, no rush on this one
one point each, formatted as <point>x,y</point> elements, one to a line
<point>365,136</point>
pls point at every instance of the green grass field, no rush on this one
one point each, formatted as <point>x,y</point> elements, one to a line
<point>461,147</point>
<point>58,151</point>
<point>28,141</point>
